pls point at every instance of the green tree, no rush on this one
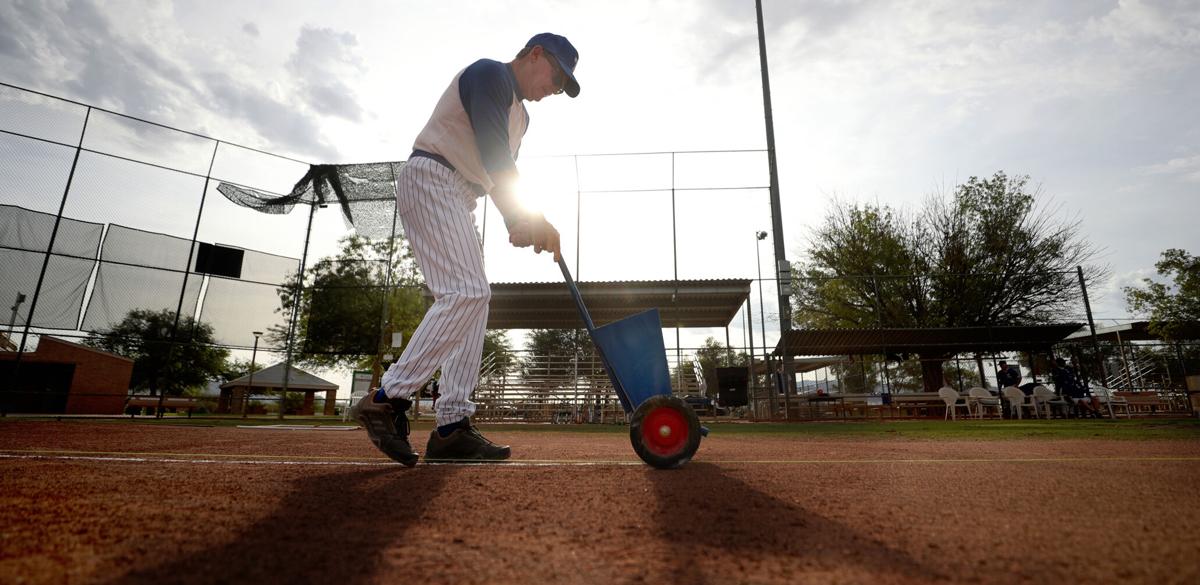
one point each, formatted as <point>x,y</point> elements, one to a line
<point>162,361</point>
<point>236,368</point>
<point>351,304</point>
<point>497,352</point>
<point>1172,308</point>
<point>560,353</point>
<point>987,255</point>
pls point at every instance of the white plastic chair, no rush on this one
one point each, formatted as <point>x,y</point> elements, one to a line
<point>953,401</point>
<point>1045,396</point>
<point>1018,402</point>
<point>981,398</point>
<point>1105,397</point>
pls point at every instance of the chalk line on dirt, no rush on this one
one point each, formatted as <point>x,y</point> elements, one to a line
<point>253,459</point>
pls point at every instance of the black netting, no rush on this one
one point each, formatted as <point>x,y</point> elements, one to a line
<point>39,116</point>
<point>62,293</point>
<point>33,174</point>
<point>267,268</point>
<point>153,284</point>
<point>24,238</point>
<point>25,229</point>
<point>133,246</point>
<point>125,137</point>
<point>366,194</point>
<point>236,308</point>
<point>120,289</point>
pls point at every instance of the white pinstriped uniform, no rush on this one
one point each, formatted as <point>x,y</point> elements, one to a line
<point>436,207</point>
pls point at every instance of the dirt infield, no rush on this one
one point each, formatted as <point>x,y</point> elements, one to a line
<point>130,503</point>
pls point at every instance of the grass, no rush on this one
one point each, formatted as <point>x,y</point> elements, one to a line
<point>1121,429</point>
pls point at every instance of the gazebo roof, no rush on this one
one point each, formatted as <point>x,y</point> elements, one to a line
<point>682,303</point>
<point>272,378</point>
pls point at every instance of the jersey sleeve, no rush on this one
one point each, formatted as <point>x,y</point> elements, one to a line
<point>486,91</point>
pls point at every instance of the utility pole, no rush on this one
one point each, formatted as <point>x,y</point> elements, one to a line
<point>783,268</point>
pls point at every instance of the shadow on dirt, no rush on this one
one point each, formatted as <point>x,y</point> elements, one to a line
<point>702,513</point>
<point>330,528</point>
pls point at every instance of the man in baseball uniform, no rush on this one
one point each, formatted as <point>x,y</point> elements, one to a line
<point>466,150</point>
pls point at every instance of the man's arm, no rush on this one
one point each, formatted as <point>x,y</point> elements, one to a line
<point>487,92</point>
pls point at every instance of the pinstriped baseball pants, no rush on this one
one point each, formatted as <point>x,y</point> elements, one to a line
<point>436,207</point>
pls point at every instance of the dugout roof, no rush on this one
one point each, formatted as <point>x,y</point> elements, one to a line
<point>923,340</point>
<point>1135,331</point>
<point>682,303</point>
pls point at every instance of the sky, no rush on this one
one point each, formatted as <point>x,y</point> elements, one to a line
<point>881,101</point>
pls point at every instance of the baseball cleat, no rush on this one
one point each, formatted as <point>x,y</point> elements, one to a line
<point>387,426</point>
<point>466,443</point>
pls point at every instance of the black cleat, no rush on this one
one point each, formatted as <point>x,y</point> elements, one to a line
<point>387,426</point>
<point>466,443</point>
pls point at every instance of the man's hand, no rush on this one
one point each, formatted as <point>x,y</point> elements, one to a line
<point>537,232</point>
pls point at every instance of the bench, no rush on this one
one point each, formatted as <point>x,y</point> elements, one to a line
<point>1149,402</point>
<point>152,402</point>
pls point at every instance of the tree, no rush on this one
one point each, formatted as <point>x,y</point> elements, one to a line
<point>343,320</point>
<point>987,255</point>
<point>1174,307</point>
<point>163,360</point>
<point>560,353</point>
<point>497,352</point>
<point>236,368</point>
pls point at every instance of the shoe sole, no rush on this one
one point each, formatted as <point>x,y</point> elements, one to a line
<point>379,428</point>
<point>507,453</point>
<point>467,459</point>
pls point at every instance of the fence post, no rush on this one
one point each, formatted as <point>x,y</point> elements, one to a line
<point>37,290</point>
<point>1087,306</point>
<point>296,300</point>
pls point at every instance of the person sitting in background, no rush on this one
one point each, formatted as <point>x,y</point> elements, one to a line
<point>1007,375</point>
<point>1068,386</point>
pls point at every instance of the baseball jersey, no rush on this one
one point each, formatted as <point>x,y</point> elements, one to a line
<point>478,123</point>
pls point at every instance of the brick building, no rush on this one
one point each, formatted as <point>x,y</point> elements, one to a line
<point>61,377</point>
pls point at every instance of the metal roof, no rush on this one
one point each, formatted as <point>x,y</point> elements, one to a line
<point>1135,331</point>
<point>272,378</point>
<point>923,340</point>
<point>682,303</point>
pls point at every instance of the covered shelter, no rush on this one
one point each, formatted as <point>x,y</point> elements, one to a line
<point>1134,331</point>
<point>884,341</point>
<point>234,393</point>
<point>1137,373</point>
<point>923,340</point>
<point>681,303</point>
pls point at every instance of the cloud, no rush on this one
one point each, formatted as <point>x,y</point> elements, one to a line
<point>968,50</point>
<point>148,66</point>
<point>323,62</point>
<point>1108,298</point>
<point>1186,168</point>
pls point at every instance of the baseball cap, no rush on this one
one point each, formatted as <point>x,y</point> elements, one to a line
<point>564,52</point>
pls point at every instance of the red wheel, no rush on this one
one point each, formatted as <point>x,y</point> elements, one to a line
<point>664,431</point>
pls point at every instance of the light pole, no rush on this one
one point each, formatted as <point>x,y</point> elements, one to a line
<point>762,309</point>
<point>12,321</point>
<point>250,386</point>
<point>762,321</point>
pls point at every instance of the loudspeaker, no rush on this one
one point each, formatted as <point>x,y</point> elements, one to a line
<point>731,387</point>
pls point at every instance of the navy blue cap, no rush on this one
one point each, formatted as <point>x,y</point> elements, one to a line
<point>564,52</point>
